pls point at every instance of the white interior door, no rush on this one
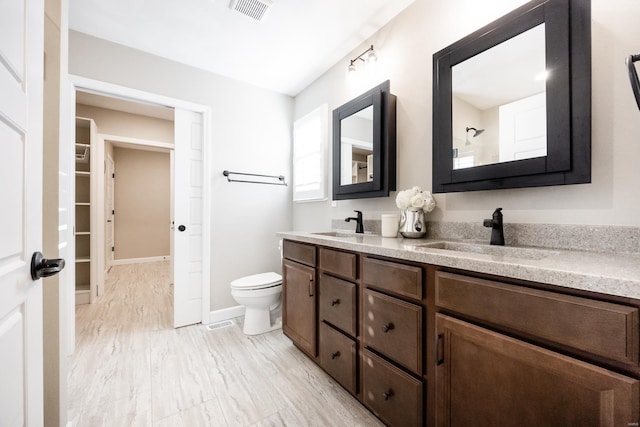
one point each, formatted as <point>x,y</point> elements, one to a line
<point>188,218</point>
<point>21,63</point>
<point>109,212</point>
<point>523,128</point>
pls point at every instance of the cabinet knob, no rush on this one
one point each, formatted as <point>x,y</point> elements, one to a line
<point>335,354</point>
<point>387,327</point>
<point>387,394</point>
<point>335,302</point>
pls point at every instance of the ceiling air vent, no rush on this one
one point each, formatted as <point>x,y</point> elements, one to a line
<point>255,9</point>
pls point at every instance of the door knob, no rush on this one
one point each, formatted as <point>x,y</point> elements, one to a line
<point>182,228</point>
<point>42,267</point>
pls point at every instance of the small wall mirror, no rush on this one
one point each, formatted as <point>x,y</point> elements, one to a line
<point>364,147</point>
<point>512,102</point>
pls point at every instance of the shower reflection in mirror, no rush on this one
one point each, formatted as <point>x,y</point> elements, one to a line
<point>499,102</point>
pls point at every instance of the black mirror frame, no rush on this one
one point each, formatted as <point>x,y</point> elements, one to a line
<point>568,54</point>
<point>384,144</point>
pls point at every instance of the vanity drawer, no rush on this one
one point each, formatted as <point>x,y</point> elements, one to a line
<point>600,328</point>
<point>338,356</point>
<point>341,263</point>
<point>405,280</point>
<point>393,395</point>
<point>394,328</point>
<point>300,252</point>
<point>338,303</point>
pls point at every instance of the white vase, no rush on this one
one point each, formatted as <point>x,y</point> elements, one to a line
<point>412,223</point>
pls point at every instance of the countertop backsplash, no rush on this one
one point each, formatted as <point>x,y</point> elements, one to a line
<point>591,238</point>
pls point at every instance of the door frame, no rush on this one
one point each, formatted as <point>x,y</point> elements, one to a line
<point>79,83</point>
<point>110,167</point>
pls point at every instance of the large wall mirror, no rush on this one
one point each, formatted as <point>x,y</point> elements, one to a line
<point>512,101</point>
<point>364,145</point>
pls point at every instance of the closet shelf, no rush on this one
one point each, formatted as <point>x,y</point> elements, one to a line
<point>83,233</point>
<point>78,260</point>
<point>83,204</point>
<point>83,173</point>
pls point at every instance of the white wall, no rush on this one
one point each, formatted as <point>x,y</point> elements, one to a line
<point>120,123</point>
<point>251,132</point>
<point>142,203</point>
<point>406,46</point>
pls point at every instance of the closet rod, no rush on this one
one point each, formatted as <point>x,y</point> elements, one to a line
<point>280,178</point>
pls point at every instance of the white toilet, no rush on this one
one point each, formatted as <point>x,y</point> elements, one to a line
<point>259,293</point>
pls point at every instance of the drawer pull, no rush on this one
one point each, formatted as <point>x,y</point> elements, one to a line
<point>440,350</point>
<point>335,302</point>
<point>387,327</point>
<point>335,354</point>
<point>387,394</point>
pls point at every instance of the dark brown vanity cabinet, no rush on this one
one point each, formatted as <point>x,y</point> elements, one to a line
<point>299,295</point>
<point>496,364</point>
<point>418,345</point>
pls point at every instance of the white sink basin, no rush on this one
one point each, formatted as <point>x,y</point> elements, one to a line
<point>343,234</point>
<point>502,251</point>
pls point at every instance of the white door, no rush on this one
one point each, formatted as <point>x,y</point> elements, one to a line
<point>188,217</point>
<point>109,212</point>
<point>523,128</point>
<point>21,63</point>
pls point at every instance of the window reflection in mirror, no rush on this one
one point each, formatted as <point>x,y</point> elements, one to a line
<point>499,103</point>
<point>356,147</point>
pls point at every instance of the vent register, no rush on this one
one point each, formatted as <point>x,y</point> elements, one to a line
<point>255,9</point>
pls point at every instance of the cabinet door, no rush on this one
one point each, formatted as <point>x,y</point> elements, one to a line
<point>299,305</point>
<point>487,379</point>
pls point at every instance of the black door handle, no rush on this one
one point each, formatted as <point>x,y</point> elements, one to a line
<point>181,228</point>
<point>42,267</point>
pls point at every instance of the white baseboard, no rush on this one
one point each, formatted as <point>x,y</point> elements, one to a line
<point>140,260</point>
<point>225,314</point>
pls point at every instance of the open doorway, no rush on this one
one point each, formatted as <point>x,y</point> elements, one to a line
<point>139,139</point>
<point>189,159</point>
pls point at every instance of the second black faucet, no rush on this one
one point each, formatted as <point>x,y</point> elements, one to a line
<point>358,219</point>
<point>497,231</point>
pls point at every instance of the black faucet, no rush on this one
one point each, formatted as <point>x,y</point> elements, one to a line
<point>497,232</point>
<point>358,219</point>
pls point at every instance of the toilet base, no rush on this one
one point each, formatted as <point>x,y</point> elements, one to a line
<point>258,321</point>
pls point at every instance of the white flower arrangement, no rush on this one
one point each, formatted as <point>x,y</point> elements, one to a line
<point>415,199</point>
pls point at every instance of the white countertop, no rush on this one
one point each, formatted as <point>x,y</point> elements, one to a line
<point>608,273</point>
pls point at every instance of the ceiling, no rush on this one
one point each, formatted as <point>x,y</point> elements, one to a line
<point>294,43</point>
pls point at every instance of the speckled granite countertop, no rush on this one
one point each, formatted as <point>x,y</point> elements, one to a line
<point>608,273</point>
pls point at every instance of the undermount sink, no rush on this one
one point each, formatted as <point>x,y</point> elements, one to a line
<point>340,234</point>
<point>502,251</point>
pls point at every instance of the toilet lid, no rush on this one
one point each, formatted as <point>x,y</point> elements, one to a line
<point>257,281</point>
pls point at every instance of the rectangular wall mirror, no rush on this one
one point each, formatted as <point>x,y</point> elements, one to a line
<point>512,101</point>
<point>364,145</point>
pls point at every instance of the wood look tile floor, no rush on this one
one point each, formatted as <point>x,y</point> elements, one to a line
<point>131,368</point>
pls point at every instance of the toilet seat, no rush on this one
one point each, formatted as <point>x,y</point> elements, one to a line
<point>257,281</point>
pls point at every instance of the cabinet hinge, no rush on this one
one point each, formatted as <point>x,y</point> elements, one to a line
<point>113,248</point>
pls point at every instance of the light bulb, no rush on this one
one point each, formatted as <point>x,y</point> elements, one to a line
<point>372,57</point>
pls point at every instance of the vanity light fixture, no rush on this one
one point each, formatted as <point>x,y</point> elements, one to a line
<point>367,56</point>
<point>476,132</point>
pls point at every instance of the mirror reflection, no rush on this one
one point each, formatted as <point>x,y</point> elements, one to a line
<point>356,147</point>
<point>499,103</point>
